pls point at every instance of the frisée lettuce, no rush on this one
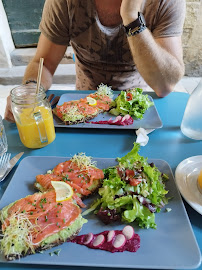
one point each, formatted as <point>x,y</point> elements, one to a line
<point>131,102</point>
<point>134,190</point>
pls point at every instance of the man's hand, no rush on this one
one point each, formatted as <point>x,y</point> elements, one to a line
<point>129,10</point>
<point>8,112</point>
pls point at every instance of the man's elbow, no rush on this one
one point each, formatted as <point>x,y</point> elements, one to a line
<point>162,90</point>
<point>165,89</point>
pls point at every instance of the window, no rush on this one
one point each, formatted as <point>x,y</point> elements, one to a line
<point>24,17</point>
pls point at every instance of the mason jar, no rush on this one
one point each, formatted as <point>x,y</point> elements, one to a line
<point>33,116</point>
<point>3,139</point>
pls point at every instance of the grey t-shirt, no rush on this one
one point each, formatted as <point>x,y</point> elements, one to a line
<point>102,53</point>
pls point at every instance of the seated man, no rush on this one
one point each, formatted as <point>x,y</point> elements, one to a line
<point>121,43</point>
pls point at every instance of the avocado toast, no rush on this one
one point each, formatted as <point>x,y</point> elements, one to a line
<point>79,111</point>
<point>37,222</point>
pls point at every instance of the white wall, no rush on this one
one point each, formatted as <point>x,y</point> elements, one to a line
<point>6,42</point>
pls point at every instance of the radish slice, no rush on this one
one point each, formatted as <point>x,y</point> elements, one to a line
<point>117,119</point>
<point>126,117</point>
<point>99,240</point>
<point>119,241</point>
<point>128,231</point>
<point>89,238</point>
<point>110,236</point>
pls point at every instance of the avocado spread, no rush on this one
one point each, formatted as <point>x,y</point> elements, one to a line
<point>15,241</point>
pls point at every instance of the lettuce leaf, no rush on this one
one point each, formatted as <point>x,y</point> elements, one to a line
<point>155,186</point>
<point>132,203</point>
<point>131,102</point>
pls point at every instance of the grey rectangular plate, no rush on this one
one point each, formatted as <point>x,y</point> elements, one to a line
<point>150,119</point>
<point>171,246</point>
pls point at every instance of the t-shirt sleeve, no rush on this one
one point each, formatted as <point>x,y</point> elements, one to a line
<point>55,21</point>
<point>170,18</point>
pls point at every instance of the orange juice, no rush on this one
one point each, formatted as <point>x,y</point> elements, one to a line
<point>199,181</point>
<point>29,130</point>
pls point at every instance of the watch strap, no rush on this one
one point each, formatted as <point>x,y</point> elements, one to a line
<point>35,82</point>
<point>136,26</point>
<point>30,81</point>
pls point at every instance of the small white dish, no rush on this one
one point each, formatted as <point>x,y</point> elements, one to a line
<point>186,175</point>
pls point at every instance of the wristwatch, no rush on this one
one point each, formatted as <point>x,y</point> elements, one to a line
<point>136,26</point>
<point>31,81</point>
<point>35,82</point>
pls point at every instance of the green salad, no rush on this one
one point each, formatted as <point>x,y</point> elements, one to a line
<point>131,102</point>
<point>134,190</point>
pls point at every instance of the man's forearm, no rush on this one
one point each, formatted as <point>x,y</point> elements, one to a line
<point>32,72</point>
<point>159,68</point>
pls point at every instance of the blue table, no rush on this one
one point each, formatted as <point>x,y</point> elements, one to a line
<point>167,143</point>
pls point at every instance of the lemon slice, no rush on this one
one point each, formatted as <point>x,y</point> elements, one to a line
<point>91,101</point>
<point>63,191</point>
